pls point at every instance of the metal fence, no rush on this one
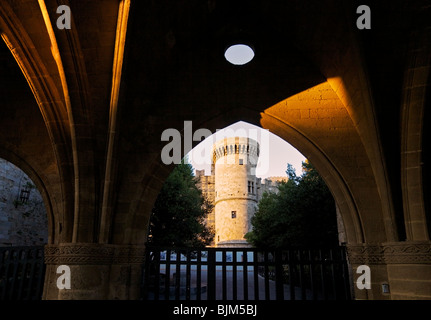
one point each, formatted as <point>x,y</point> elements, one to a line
<point>22,272</point>
<point>245,274</point>
<point>205,274</point>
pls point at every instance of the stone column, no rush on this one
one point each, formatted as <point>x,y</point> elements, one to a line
<point>97,271</point>
<point>404,268</point>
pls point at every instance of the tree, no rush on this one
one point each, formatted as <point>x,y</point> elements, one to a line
<point>178,216</point>
<point>301,213</point>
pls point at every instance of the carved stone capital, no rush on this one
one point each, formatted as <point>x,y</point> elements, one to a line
<point>93,253</point>
<point>409,252</point>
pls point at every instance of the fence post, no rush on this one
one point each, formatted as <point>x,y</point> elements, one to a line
<point>279,287</point>
<point>211,275</point>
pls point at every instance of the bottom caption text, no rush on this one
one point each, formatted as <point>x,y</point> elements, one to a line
<point>221,310</point>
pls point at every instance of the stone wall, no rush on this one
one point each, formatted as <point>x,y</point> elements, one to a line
<point>23,221</point>
<point>207,185</point>
<point>269,185</point>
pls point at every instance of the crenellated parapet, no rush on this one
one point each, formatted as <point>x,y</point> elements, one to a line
<point>236,146</point>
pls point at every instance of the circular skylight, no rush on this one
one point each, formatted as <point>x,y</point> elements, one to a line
<point>239,54</point>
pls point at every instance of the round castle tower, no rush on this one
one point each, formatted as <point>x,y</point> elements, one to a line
<point>234,161</point>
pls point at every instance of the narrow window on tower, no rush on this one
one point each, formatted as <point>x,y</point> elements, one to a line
<point>249,186</point>
<point>233,214</point>
<point>25,193</point>
<point>24,196</point>
<point>241,162</point>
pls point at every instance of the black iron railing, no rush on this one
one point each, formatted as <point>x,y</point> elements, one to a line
<point>205,274</point>
<point>22,272</point>
<point>245,274</point>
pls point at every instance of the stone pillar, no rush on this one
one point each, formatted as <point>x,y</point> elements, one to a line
<point>404,268</point>
<point>97,271</point>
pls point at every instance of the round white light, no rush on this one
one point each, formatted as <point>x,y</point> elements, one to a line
<point>239,54</point>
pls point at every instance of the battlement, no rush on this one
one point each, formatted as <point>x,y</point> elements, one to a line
<point>274,179</point>
<point>235,145</point>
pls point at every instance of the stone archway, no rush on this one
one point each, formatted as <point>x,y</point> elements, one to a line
<point>417,82</point>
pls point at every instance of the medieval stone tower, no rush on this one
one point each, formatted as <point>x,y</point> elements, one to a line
<point>234,161</point>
